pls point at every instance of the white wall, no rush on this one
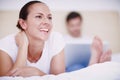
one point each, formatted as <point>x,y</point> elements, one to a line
<point>66,4</point>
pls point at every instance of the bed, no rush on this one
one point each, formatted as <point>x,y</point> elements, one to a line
<point>102,71</point>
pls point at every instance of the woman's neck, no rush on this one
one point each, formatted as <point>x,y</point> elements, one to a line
<point>35,47</point>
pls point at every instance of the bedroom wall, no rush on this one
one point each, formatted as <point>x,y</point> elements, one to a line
<point>102,23</point>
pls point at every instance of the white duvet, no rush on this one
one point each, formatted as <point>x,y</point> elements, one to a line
<point>103,71</point>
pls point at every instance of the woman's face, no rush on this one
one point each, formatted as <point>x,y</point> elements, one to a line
<point>39,22</point>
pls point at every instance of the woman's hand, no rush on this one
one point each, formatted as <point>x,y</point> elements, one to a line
<point>26,72</point>
<point>21,39</point>
<point>22,43</point>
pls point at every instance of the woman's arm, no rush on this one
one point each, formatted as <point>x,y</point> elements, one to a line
<point>22,43</point>
<point>20,68</point>
<point>7,66</point>
<point>58,64</point>
<point>6,63</point>
<point>27,71</point>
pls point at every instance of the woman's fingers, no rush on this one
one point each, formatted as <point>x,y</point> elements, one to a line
<point>12,72</point>
<point>17,73</point>
<point>21,39</point>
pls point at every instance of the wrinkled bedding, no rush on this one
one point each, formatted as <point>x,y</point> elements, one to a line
<point>102,71</point>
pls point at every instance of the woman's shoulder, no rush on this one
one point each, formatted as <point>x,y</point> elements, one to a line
<point>56,42</point>
<point>8,37</point>
<point>8,45</point>
<point>8,40</point>
<point>55,37</point>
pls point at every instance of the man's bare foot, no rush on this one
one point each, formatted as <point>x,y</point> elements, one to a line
<point>96,51</point>
<point>106,56</point>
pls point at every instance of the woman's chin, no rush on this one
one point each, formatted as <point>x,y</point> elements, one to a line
<point>44,35</point>
<point>43,38</point>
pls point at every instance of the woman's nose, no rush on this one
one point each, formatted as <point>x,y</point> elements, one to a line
<point>46,21</point>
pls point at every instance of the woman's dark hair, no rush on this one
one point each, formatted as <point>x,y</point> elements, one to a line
<point>73,15</point>
<point>25,11</point>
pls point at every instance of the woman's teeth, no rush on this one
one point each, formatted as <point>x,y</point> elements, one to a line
<point>46,30</point>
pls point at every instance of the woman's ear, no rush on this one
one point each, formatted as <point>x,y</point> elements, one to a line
<point>22,24</point>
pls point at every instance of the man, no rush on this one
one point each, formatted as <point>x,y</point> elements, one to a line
<point>74,27</point>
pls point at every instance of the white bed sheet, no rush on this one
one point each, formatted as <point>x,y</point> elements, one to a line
<point>116,57</point>
<point>103,71</point>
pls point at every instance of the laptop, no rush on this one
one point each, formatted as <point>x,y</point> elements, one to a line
<point>78,54</point>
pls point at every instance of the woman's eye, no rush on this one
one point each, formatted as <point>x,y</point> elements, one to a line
<point>39,17</point>
<point>50,18</point>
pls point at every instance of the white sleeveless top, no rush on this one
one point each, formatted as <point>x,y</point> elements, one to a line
<point>52,47</point>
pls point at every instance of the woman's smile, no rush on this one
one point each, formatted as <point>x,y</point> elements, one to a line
<point>44,31</point>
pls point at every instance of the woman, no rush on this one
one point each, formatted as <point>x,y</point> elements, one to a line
<point>35,51</point>
<point>34,42</point>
